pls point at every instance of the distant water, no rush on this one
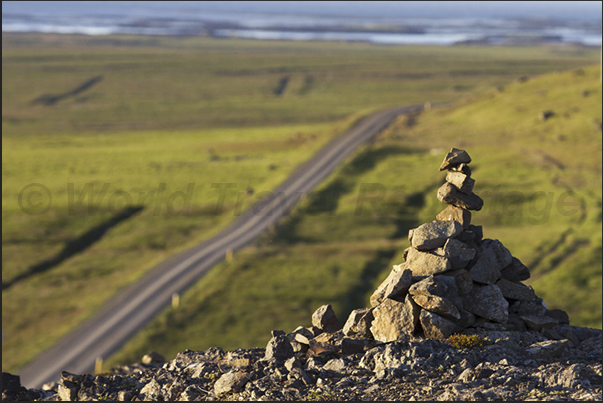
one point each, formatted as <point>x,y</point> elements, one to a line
<point>183,18</point>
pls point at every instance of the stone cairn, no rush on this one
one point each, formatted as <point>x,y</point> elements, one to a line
<point>452,280</point>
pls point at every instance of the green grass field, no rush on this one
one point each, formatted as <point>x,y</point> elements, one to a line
<point>330,252</point>
<point>180,111</point>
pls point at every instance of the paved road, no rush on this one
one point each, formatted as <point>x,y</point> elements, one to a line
<point>135,305</point>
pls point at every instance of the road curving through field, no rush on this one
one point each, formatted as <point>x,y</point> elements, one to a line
<point>134,306</point>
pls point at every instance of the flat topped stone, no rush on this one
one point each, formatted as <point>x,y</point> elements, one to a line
<point>449,194</point>
<point>426,263</point>
<point>455,157</point>
<point>432,235</point>
<point>461,181</point>
<point>454,213</point>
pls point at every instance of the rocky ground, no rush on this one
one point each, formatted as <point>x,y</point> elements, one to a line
<point>556,364</point>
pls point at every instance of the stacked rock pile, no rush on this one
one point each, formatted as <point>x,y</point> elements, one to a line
<point>453,279</point>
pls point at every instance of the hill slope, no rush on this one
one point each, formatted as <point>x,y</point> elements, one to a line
<point>540,181</point>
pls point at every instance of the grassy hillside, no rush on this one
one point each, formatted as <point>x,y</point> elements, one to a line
<point>80,112</point>
<point>335,250</point>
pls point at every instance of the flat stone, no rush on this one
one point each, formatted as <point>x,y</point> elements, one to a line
<point>516,271</point>
<point>438,305</point>
<point>324,318</point>
<point>433,235</point>
<point>515,290</point>
<point>359,323</point>
<point>427,263</point>
<point>449,194</point>
<point>547,349</point>
<point>302,339</point>
<point>439,286</point>
<point>529,308</point>
<point>230,382</point>
<point>461,181</point>
<point>458,253</point>
<point>536,322</point>
<point>435,326</point>
<point>559,315</point>
<point>394,319</point>
<point>394,286</point>
<point>454,213</point>
<point>487,302</point>
<point>455,157</point>
<point>305,332</point>
<point>492,256</point>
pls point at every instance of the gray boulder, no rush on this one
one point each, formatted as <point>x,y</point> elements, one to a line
<point>359,323</point>
<point>534,307</point>
<point>458,253</point>
<point>432,235</point>
<point>516,290</point>
<point>538,322</point>
<point>439,286</point>
<point>547,349</point>
<point>427,263</point>
<point>463,281</point>
<point>435,326</point>
<point>453,213</point>
<point>516,271</point>
<point>394,286</point>
<point>492,257</point>
<point>393,319</point>
<point>455,157</point>
<point>230,382</point>
<point>461,181</point>
<point>398,288</point>
<point>449,194</point>
<point>324,318</point>
<point>439,305</point>
<point>278,348</point>
<point>487,302</point>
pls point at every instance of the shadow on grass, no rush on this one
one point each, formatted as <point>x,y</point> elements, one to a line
<point>404,219</point>
<point>326,200</point>
<point>76,246</point>
<point>403,216</point>
<point>50,99</point>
